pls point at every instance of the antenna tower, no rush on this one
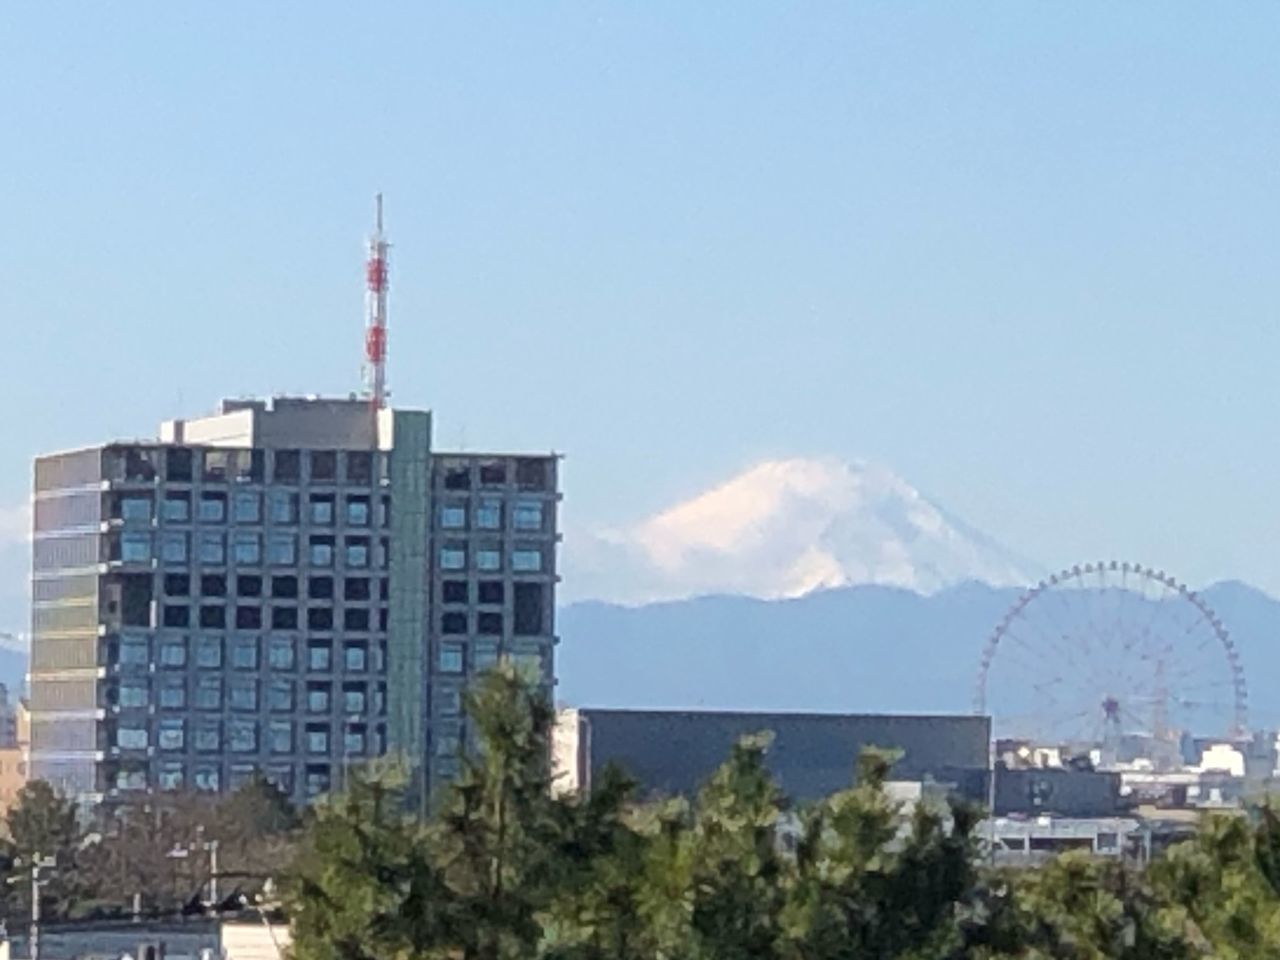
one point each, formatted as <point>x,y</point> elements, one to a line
<point>375,330</point>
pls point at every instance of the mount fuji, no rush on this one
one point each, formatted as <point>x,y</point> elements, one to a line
<point>783,529</point>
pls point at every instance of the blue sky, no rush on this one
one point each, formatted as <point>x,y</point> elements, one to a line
<point>1023,253</point>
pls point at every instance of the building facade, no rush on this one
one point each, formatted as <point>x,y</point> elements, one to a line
<point>811,755</point>
<point>289,586</point>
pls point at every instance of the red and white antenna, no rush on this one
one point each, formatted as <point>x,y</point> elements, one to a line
<point>375,329</point>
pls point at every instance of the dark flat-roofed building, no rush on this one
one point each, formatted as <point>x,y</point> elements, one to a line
<point>811,755</point>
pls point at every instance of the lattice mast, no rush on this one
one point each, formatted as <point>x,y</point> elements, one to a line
<point>375,330</point>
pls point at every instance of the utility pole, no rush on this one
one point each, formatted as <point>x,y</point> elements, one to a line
<point>36,883</point>
<point>213,872</point>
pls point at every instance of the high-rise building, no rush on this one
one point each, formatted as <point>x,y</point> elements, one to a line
<point>289,586</point>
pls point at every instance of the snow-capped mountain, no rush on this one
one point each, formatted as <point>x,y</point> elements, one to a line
<point>785,528</point>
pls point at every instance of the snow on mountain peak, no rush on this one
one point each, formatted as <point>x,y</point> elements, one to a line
<point>784,528</point>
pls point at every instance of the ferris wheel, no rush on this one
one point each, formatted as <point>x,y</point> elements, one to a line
<point>1109,651</point>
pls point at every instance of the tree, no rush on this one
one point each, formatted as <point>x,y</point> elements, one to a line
<point>865,889</point>
<point>498,829</point>
<point>43,824</point>
<point>364,886</point>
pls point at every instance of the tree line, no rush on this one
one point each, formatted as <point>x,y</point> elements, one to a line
<point>506,868</point>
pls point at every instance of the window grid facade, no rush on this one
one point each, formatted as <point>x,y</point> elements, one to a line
<point>226,609</point>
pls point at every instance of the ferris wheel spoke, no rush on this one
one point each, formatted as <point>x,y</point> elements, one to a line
<point>1104,631</point>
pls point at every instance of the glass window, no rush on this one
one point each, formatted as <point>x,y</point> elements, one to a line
<point>318,697</point>
<point>359,466</point>
<point>244,653</point>
<point>353,697</point>
<point>457,476</point>
<point>247,506</point>
<point>208,736</point>
<point>489,515</point>
<point>447,744</point>
<point>320,588</point>
<point>322,509</point>
<point>177,584</point>
<point>207,778</point>
<point>247,548</point>
<point>357,552</point>
<point>173,651</point>
<point>317,739</point>
<point>320,618</point>
<point>453,556</point>
<point>288,466</point>
<point>213,547</point>
<point>135,651</point>
<point>177,507</point>
<point>526,560</point>
<point>491,591</point>
<point>170,776</point>
<point>213,617</point>
<point>284,618</point>
<point>173,547</point>
<point>248,585</point>
<point>531,474</point>
<point>453,516</point>
<point>448,701</point>
<point>378,657</point>
<point>489,624</point>
<point>213,585</point>
<point>135,508</point>
<point>324,465</point>
<point>455,591</point>
<point>356,588</point>
<point>248,618</point>
<point>243,693</point>
<point>280,653</point>
<point>174,616</point>
<point>177,464</point>
<point>527,515</point>
<point>213,507</point>
<point>209,693</point>
<point>131,779</point>
<point>242,736</point>
<point>171,734</point>
<point>453,623</point>
<point>355,657</point>
<point>280,695</point>
<point>135,546</point>
<point>384,512</point>
<point>493,473</point>
<point>284,587</point>
<point>173,693</point>
<point>209,652</point>
<point>317,780</point>
<point>484,654</point>
<point>280,736</point>
<point>321,551</point>
<point>131,738</point>
<point>353,740</point>
<point>319,656</point>
<point>282,549</point>
<point>216,465</point>
<point>283,506</point>
<point>357,511</point>
<point>355,619</point>
<point>450,658</point>
<point>488,558</point>
<point>133,693</point>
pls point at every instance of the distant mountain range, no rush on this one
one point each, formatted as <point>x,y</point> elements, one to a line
<point>860,649</point>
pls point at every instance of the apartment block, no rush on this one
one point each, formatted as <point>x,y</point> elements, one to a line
<point>289,586</point>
